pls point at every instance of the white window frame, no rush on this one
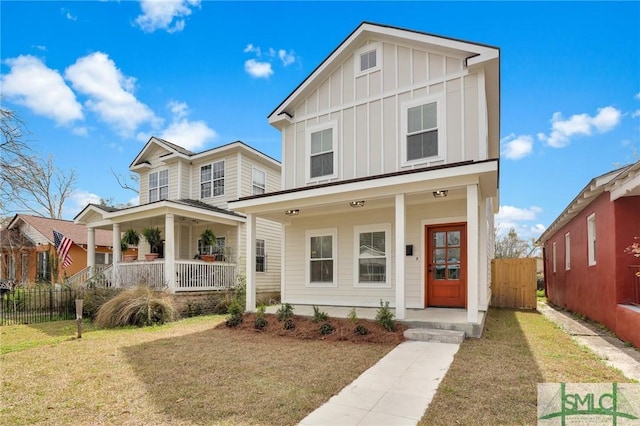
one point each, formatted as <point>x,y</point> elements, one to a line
<point>107,258</point>
<point>333,232</point>
<point>357,230</point>
<point>264,255</point>
<point>159,187</point>
<point>377,47</point>
<point>440,127</point>
<point>217,248</point>
<point>567,251</point>
<point>334,149</point>
<point>212,179</point>
<point>256,189</point>
<point>591,239</point>
<point>555,252</point>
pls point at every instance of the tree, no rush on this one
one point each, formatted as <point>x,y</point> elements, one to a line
<point>29,183</point>
<point>511,246</point>
<point>131,182</point>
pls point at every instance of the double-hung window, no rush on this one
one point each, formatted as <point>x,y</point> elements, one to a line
<point>259,181</point>
<point>591,239</point>
<point>261,256</point>
<point>159,185</point>
<point>321,147</point>
<point>372,255</point>
<point>567,251</point>
<point>322,257</point>
<point>423,132</point>
<point>212,180</point>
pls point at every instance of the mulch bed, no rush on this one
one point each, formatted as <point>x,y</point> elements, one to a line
<point>305,329</point>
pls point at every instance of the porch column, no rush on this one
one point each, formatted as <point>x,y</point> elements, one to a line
<point>483,255</point>
<point>399,259</point>
<point>116,255</point>
<point>472,253</point>
<point>170,252</point>
<point>250,259</point>
<point>91,249</point>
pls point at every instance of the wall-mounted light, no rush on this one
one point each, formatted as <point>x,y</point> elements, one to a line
<point>292,212</point>
<point>441,193</point>
<point>357,204</point>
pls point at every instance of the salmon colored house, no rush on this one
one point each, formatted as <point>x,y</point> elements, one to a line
<point>586,268</point>
<point>28,249</point>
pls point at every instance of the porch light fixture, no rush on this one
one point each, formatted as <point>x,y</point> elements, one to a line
<point>292,212</point>
<point>441,193</point>
<point>357,204</point>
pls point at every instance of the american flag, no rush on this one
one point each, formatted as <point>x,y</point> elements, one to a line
<point>63,244</point>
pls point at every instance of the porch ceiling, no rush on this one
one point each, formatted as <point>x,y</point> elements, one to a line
<point>376,193</point>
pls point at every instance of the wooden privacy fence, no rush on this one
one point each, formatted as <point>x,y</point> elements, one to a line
<point>513,283</point>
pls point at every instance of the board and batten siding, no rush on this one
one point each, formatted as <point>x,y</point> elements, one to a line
<point>346,293</point>
<point>368,109</point>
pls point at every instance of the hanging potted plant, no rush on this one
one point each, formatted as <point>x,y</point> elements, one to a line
<point>208,238</point>
<point>129,238</point>
<point>154,238</point>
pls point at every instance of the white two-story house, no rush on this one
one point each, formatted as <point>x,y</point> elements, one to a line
<point>390,157</point>
<point>182,193</point>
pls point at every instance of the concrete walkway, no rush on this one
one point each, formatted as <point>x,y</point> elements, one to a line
<point>610,349</point>
<point>395,391</point>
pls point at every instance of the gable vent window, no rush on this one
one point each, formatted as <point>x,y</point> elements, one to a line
<point>368,60</point>
<point>422,131</point>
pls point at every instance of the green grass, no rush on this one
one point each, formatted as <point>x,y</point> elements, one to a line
<point>493,380</point>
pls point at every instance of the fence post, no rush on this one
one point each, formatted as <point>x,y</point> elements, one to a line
<point>79,316</point>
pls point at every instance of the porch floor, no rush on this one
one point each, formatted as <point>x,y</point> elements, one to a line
<point>438,318</point>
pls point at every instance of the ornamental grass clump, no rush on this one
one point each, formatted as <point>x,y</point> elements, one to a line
<point>139,306</point>
<point>318,315</point>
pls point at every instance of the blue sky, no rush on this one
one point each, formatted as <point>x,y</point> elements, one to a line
<point>94,80</point>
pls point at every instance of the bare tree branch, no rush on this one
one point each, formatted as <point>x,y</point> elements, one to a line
<point>124,183</point>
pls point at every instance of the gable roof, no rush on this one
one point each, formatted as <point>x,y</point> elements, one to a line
<point>176,151</point>
<point>76,232</point>
<point>475,53</point>
<point>621,182</point>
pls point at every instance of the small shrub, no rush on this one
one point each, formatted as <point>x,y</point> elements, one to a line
<point>284,312</point>
<point>194,309</point>
<point>235,312</point>
<point>360,330</point>
<point>289,324</point>
<point>138,306</point>
<point>384,316</point>
<point>326,329</point>
<point>319,316</point>
<point>260,322</point>
<point>352,315</point>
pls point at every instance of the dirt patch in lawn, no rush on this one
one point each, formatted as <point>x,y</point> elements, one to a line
<point>342,329</point>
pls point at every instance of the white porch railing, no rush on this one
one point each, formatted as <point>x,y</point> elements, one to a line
<point>192,275</point>
<point>84,276</point>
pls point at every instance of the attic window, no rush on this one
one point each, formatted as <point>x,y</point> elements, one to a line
<point>368,59</point>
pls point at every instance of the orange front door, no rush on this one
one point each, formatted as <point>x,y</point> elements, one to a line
<point>446,265</point>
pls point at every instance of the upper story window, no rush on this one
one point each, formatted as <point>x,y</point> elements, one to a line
<point>591,238</point>
<point>424,139</point>
<point>259,181</point>
<point>368,58</point>
<point>159,185</point>
<point>322,143</point>
<point>212,180</point>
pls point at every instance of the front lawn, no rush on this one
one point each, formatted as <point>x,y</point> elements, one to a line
<point>188,372</point>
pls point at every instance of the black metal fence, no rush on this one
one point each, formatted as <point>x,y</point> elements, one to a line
<point>32,305</point>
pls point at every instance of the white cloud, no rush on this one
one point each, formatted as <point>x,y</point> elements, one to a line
<point>80,131</point>
<point>252,49</point>
<point>515,148</point>
<point>78,200</point>
<point>258,69</point>
<point>68,14</point>
<point>636,113</point>
<point>165,15</point>
<point>192,135</point>
<point>287,58</point>
<point>511,213</point>
<point>520,220</point>
<point>637,96</point>
<point>41,89</point>
<point>583,124</point>
<point>40,47</point>
<point>110,92</point>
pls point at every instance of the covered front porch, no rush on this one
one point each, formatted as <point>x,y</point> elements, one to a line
<point>180,265</point>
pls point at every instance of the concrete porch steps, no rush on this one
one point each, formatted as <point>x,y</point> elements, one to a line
<point>434,335</point>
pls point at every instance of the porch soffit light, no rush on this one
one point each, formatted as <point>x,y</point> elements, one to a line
<point>357,204</point>
<point>292,212</point>
<point>441,193</point>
